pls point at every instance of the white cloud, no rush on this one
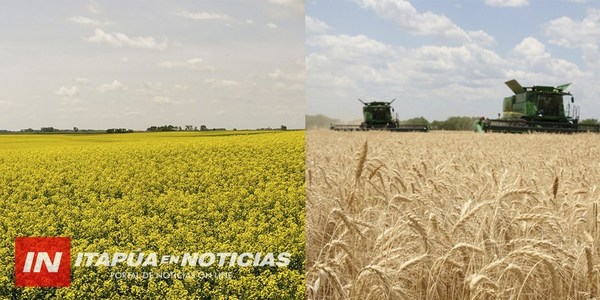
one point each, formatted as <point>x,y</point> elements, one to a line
<point>534,57</point>
<point>355,66</point>
<point>94,8</point>
<point>69,107</point>
<point>458,75</point>
<point>195,64</point>
<point>156,86</point>
<point>288,80</point>
<point>481,37</point>
<point>583,34</point>
<point>84,20</point>
<point>295,4</point>
<point>315,25</point>
<point>118,39</point>
<point>345,59</point>
<point>169,100</point>
<point>531,48</point>
<point>82,81</point>
<point>507,3</point>
<point>182,87</point>
<point>343,67</point>
<point>272,25</point>
<point>427,23</point>
<point>114,86</point>
<point>67,92</point>
<point>134,113</point>
<point>221,83</point>
<point>162,100</point>
<point>203,15</point>
<point>151,88</point>
<point>349,47</point>
<point>278,74</point>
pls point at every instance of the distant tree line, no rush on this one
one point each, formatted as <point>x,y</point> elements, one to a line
<point>202,128</point>
<point>119,130</point>
<point>164,128</point>
<point>179,128</point>
<point>125,130</point>
<point>590,121</point>
<point>282,127</point>
<point>452,123</point>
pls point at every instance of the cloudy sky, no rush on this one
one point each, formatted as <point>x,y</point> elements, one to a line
<point>133,64</point>
<point>448,58</point>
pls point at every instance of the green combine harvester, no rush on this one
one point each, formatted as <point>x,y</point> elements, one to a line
<point>538,109</point>
<point>378,116</point>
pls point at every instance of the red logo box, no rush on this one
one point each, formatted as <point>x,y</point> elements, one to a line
<point>42,261</point>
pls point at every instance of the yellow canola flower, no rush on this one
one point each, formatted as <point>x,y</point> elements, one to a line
<point>168,193</point>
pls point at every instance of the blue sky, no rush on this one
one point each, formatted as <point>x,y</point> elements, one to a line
<point>133,64</point>
<point>447,58</point>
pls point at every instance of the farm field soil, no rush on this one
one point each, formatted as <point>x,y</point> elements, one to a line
<point>168,193</point>
<point>447,215</point>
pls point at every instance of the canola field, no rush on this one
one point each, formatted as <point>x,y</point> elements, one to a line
<point>452,215</point>
<point>165,193</point>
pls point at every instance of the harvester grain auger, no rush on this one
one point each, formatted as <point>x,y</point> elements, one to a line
<point>378,116</point>
<point>538,109</point>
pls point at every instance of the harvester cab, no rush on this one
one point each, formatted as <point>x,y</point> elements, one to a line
<point>379,115</point>
<point>538,103</point>
<point>537,108</point>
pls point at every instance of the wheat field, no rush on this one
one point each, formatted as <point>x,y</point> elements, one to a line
<point>445,215</point>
